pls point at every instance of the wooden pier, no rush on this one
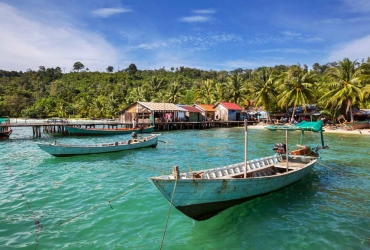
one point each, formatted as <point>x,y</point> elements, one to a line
<point>58,127</point>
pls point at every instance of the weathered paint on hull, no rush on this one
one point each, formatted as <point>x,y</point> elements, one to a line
<point>202,199</point>
<point>82,131</point>
<point>62,151</point>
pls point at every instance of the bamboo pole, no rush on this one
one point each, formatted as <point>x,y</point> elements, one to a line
<point>246,148</point>
<point>287,150</point>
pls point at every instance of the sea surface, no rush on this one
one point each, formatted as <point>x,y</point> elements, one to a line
<point>107,202</point>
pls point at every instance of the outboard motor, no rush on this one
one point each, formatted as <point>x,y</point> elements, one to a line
<point>280,148</point>
<point>134,135</point>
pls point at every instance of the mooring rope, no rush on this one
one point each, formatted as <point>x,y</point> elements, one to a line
<point>36,221</point>
<point>100,204</point>
<point>168,214</point>
<point>58,183</point>
<point>325,166</point>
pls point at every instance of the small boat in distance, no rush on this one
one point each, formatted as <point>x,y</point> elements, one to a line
<point>5,131</point>
<point>203,194</point>
<point>71,150</point>
<point>107,131</point>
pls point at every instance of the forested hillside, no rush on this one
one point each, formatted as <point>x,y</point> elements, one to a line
<point>336,87</point>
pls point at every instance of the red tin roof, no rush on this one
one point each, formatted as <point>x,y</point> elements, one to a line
<point>190,109</point>
<point>230,105</point>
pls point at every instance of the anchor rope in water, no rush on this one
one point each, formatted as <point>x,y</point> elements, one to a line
<point>325,165</point>
<point>168,214</point>
<point>100,204</point>
<point>36,221</point>
<point>58,183</point>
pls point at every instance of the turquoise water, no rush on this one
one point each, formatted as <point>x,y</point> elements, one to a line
<point>328,209</point>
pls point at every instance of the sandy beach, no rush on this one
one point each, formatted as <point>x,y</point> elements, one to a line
<point>326,130</point>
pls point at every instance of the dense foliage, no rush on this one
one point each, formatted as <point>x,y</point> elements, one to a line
<point>335,87</point>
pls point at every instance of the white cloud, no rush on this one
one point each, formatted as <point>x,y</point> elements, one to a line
<point>108,12</point>
<point>280,50</point>
<point>204,12</point>
<point>334,21</point>
<point>196,19</point>
<point>201,42</point>
<point>356,49</point>
<point>362,6</point>
<point>26,43</point>
<point>239,64</point>
<point>291,34</point>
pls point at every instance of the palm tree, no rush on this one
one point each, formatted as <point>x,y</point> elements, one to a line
<point>137,94</point>
<point>235,87</point>
<point>219,93</point>
<point>344,82</point>
<point>264,92</point>
<point>205,94</point>
<point>297,88</point>
<point>154,85</point>
<point>174,93</point>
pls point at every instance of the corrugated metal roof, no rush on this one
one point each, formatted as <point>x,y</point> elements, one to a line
<point>190,109</point>
<point>205,107</point>
<point>161,106</point>
<point>230,105</point>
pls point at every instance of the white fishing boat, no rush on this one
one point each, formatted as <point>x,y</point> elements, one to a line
<point>70,150</point>
<point>203,194</point>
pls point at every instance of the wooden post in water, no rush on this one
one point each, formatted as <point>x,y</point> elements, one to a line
<point>246,147</point>
<point>176,172</point>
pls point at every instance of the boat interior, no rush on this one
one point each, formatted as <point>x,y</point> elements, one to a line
<point>267,166</point>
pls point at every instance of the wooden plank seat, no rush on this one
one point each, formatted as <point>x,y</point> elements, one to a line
<point>234,170</point>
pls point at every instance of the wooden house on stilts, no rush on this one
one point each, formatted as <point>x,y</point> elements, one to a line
<point>151,112</point>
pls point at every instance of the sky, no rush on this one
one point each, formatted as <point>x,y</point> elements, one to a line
<point>202,34</point>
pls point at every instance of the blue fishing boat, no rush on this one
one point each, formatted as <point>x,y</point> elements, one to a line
<point>71,150</point>
<point>107,131</point>
<point>203,194</point>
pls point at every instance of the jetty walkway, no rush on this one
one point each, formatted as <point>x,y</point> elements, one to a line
<point>39,127</point>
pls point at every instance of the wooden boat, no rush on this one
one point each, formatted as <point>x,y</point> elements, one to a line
<point>70,150</point>
<point>107,131</point>
<point>5,131</point>
<point>203,194</point>
<point>356,125</point>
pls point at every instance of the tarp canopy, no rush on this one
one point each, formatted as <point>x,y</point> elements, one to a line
<point>303,125</point>
<point>4,120</point>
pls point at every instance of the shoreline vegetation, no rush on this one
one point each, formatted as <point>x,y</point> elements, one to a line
<point>327,129</point>
<point>336,89</point>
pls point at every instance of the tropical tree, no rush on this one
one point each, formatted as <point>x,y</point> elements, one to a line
<point>264,93</point>
<point>174,93</point>
<point>205,93</point>
<point>137,94</point>
<point>77,66</point>
<point>235,88</point>
<point>296,86</point>
<point>110,69</point>
<point>132,69</point>
<point>344,83</point>
<point>154,85</point>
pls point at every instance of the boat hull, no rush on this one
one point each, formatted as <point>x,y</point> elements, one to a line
<point>71,150</point>
<point>201,199</point>
<point>5,134</point>
<point>116,131</point>
<point>357,125</point>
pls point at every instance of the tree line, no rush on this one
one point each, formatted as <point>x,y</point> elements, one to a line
<point>335,87</point>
